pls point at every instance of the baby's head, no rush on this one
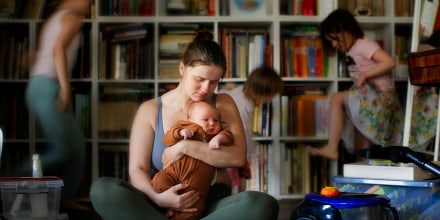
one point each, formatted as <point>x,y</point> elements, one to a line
<point>205,115</point>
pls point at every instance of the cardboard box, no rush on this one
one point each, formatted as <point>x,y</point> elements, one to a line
<point>31,198</point>
<point>418,199</point>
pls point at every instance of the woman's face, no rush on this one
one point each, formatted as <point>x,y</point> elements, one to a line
<point>200,81</point>
<point>341,41</point>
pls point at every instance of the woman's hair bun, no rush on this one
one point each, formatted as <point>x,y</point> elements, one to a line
<point>203,34</point>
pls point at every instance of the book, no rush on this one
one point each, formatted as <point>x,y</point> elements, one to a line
<point>7,8</point>
<point>428,16</point>
<point>325,7</point>
<point>174,44</point>
<point>400,171</point>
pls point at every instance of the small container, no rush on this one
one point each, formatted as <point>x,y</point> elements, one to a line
<point>31,198</point>
<point>37,171</point>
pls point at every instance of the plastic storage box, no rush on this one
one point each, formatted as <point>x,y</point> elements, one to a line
<point>411,199</point>
<point>31,198</point>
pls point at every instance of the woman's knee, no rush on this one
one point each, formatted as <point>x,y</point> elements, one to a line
<point>263,199</point>
<point>100,188</point>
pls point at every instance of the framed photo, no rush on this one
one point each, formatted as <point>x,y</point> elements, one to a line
<point>248,7</point>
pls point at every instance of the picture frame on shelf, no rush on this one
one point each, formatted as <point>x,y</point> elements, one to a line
<point>248,7</point>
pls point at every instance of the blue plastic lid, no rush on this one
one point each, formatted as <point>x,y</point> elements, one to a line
<point>349,200</point>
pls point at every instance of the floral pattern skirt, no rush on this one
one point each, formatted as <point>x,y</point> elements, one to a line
<point>377,115</point>
<point>423,117</point>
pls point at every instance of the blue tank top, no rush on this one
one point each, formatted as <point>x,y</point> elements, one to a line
<point>158,146</point>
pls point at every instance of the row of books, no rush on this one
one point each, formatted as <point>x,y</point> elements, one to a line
<point>404,8</point>
<point>304,115</point>
<point>261,125</point>
<point>306,7</point>
<point>258,164</point>
<point>117,107</point>
<point>126,51</point>
<point>81,107</point>
<point>303,53</point>
<point>128,7</point>
<point>402,50</point>
<point>172,43</point>
<point>15,47</point>
<point>302,173</point>
<point>190,7</point>
<point>245,49</point>
<point>22,8</point>
<point>113,161</point>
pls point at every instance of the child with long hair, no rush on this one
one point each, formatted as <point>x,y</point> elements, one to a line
<point>369,113</point>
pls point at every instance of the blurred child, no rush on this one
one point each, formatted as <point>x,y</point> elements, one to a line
<point>261,86</point>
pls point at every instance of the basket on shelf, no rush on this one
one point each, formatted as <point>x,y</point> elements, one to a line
<point>424,68</point>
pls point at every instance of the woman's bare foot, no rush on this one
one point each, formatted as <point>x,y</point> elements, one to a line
<point>325,151</point>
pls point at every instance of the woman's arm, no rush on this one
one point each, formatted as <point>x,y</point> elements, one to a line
<point>140,151</point>
<point>230,156</point>
<point>71,25</point>
<point>385,64</point>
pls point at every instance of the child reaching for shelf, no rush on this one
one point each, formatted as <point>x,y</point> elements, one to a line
<point>369,112</point>
<point>203,124</point>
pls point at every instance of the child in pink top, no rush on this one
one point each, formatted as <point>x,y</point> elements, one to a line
<point>369,113</point>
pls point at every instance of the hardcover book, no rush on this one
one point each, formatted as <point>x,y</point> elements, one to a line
<point>400,171</point>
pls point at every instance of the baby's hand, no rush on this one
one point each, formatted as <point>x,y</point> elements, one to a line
<point>219,140</point>
<point>186,133</point>
<point>215,142</point>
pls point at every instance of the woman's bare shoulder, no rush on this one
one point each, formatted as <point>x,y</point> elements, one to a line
<point>148,105</point>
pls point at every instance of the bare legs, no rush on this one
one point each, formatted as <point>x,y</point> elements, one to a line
<point>336,123</point>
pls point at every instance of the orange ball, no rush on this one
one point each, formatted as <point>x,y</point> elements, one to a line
<point>329,191</point>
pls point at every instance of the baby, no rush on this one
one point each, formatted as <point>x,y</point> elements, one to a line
<point>203,124</point>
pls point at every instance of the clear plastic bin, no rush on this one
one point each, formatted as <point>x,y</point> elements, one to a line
<point>412,199</point>
<point>31,198</point>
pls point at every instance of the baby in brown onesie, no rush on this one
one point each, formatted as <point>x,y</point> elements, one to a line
<point>203,124</point>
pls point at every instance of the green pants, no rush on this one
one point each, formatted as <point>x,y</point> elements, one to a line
<point>116,199</point>
<point>66,155</point>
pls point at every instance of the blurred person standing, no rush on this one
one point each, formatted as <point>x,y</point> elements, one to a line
<point>48,93</point>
